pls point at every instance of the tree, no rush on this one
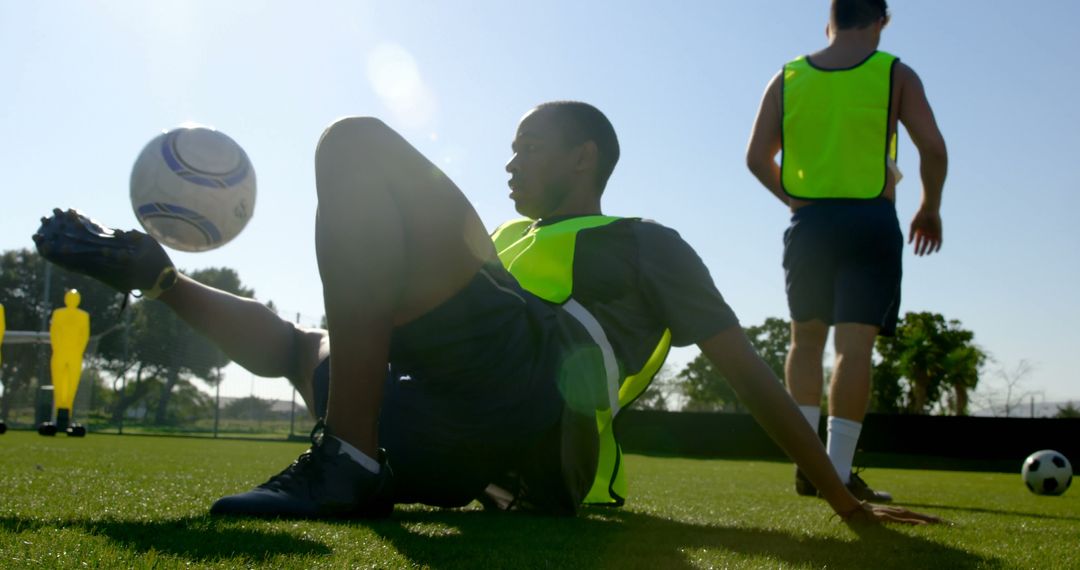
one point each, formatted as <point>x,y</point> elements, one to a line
<point>186,404</point>
<point>963,365</point>
<point>772,341</point>
<point>1067,411</point>
<point>95,395</point>
<point>188,352</point>
<point>1005,401</point>
<point>936,359</point>
<point>22,275</point>
<point>886,393</point>
<point>707,390</point>
<point>249,408</point>
<point>160,346</point>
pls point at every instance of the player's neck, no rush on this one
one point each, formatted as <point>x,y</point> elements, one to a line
<point>577,204</point>
<point>847,48</point>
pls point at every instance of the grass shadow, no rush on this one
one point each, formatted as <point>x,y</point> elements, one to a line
<point>597,538</point>
<point>602,538</point>
<point>198,539</point>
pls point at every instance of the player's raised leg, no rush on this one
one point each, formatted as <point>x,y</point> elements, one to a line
<point>395,238</point>
<point>249,333</point>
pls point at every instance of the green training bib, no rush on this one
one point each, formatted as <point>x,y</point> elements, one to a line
<point>541,258</point>
<point>836,139</point>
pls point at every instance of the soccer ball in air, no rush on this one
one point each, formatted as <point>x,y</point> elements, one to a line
<point>1047,472</point>
<point>193,188</point>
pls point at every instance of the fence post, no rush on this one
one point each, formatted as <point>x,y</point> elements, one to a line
<point>217,404</point>
<point>292,409</point>
<point>44,373</point>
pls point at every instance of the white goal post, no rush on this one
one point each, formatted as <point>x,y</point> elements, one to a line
<point>25,337</point>
<point>42,337</point>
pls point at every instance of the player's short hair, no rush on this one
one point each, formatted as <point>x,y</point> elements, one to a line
<point>581,122</point>
<point>848,14</point>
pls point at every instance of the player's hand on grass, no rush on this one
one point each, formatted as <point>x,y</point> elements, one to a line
<point>926,231</point>
<point>871,513</point>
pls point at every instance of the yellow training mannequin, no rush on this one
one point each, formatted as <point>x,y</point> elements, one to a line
<point>69,331</point>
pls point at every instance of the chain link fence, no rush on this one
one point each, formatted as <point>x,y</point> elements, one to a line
<point>229,402</point>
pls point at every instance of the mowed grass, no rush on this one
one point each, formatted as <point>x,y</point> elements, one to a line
<point>140,502</point>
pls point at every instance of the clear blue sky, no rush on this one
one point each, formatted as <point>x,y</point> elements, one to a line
<point>86,84</point>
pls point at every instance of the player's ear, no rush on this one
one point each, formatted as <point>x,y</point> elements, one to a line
<point>587,156</point>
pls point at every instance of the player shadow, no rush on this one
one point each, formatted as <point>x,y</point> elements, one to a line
<point>603,538</point>
<point>597,538</point>
<point>936,507</point>
<point>198,539</point>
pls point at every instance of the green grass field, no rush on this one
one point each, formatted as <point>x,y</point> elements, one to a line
<point>140,502</point>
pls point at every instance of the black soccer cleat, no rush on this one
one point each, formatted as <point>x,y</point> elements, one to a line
<point>321,483</point>
<point>124,260</point>
<point>863,492</point>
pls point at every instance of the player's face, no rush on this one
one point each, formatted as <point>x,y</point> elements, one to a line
<point>541,167</point>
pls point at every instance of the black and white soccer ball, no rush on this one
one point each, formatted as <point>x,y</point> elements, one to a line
<point>193,188</point>
<point>1047,472</point>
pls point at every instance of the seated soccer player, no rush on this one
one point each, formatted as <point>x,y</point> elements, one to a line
<point>461,372</point>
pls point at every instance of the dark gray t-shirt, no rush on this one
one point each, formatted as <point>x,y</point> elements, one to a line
<point>638,278</point>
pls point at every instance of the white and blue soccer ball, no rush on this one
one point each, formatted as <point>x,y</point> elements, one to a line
<point>193,188</point>
<point>1047,472</point>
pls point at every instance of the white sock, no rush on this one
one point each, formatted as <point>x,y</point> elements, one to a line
<point>358,456</point>
<point>843,437</point>
<point>812,415</point>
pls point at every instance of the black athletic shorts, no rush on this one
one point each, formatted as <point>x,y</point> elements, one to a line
<point>472,391</point>
<point>842,263</point>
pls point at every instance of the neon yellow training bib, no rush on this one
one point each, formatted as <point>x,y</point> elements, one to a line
<point>541,258</point>
<point>836,129</point>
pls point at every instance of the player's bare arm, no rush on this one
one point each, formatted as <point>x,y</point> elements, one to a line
<point>766,140</point>
<point>760,391</point>
<point>918,118</point>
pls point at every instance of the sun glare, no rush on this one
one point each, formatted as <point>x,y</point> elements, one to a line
<point>396,79</point>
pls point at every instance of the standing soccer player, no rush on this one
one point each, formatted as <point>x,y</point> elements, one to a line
<point>833,114</point>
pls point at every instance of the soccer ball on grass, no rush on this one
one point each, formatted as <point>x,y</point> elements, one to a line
<point>1047,472</point>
